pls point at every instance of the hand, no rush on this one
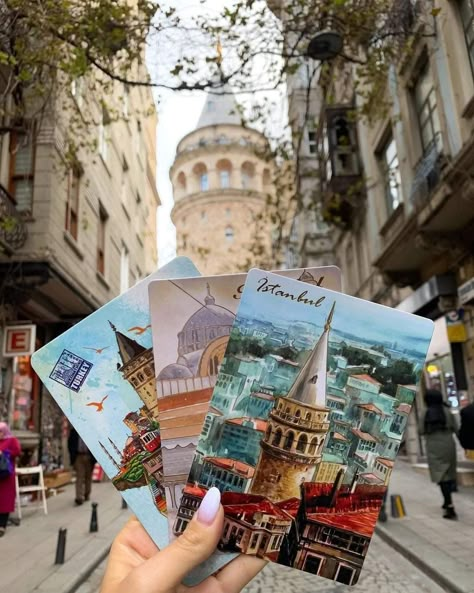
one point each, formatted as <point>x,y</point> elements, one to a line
<point>136,565</point>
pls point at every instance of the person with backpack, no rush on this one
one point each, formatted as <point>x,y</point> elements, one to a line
<point>9,450</point>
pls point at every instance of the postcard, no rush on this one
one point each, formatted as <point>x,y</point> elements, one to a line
<point>101,374</point>
<point>191,323</point>
<point>303,476</point>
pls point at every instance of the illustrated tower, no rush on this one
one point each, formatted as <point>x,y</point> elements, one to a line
<point>138,369</point>
<point>221,183</point>
<point>296,430</point>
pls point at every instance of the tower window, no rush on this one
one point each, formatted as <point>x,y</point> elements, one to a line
<point>302,443</point>
<point>204,182</point>
<point>290,437</point>
<point>313,446</point>
<point>229,234</point>
<point>277,438</point>
<point>225,179</point>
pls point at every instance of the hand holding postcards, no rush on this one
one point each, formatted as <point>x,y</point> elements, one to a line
<point>280,394</point>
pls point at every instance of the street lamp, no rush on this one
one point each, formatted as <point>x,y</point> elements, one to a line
<point>325,45</point>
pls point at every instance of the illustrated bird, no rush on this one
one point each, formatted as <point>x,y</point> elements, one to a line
<point>139,330</point>
<point>98,405</point>
<point>96,350</point>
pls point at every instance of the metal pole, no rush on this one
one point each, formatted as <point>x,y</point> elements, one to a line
<point>61,546</point>
<point>94,525</point>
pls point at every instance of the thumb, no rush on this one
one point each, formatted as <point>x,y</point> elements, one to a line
<point>196,544</point>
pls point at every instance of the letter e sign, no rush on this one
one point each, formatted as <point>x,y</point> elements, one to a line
<point>19,340</point>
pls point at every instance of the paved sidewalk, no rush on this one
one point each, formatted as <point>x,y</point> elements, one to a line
<point>27,552</point>
<point>444,549</point>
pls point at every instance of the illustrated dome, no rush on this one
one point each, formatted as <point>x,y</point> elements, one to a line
<point>208,323</point>
<point>174,371</point>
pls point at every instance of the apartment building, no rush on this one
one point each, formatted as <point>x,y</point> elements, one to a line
<point>74,233</point>
<point>398,193</point>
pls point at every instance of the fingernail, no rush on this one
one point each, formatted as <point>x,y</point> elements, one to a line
<point>209,506</point>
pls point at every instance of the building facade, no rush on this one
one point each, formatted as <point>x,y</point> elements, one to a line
<point>221,180</point>
<point>85,231</point>
<point>405,237</point>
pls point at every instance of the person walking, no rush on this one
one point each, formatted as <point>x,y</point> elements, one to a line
<point>83,462</point>
<point>10,449</point>
<point>466,431</point>
<point>438,428</point>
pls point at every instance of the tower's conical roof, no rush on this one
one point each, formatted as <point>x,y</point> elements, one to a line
<point>220,107</point>
<point>128,348</point>
<point>310,385</point>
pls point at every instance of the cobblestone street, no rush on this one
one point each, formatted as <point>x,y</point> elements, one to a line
<point>385,571</point>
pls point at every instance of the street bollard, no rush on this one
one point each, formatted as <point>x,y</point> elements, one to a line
<point>94,526</point>
<point>397,506</point>
<point>124,504</point>
<point>61,546</point>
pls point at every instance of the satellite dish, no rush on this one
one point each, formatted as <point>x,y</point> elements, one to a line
<point>325,45</point>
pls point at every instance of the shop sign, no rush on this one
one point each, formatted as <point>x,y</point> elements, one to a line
<point>466,292</point>
<point>455,326</point>
<point>19,340</point>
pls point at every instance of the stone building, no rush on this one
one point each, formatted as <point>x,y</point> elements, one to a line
<point>405,238</point>
<point>84,231</point>
<point>221,181</point>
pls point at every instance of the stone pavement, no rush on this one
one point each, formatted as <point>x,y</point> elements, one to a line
<point>443,549</point>
<point>27,552</point>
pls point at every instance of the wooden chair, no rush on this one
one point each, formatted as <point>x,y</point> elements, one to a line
<point>30,471</point>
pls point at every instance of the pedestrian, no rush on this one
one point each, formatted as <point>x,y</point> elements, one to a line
<point>135,563</point>
<point>466,431</point>
<point>438,427</point>
<point>9,450</point>
<point>83,462</point>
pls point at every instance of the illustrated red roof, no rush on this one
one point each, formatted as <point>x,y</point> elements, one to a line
<point>403,408</point>
<point>367,378</point>
<point>236,503</point>
<point>371,408</point>
<point>290,506</point>
<point>371,478</point>
<point>339,437</point>
<point>194,491</point>
<point>385,461</point>
<point>239,467</point>
<point>361,523</point>
<point>260,425</point>
<point>363,436</point>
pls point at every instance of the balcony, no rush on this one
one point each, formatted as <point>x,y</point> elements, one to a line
<point>13,231</point>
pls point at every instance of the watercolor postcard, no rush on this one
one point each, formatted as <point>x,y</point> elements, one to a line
<point>101,374</point>
<point>304,476</point>
<point>191,323</point>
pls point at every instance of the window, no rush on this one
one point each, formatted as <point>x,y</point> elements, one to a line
<point>229,234</point>
<point>344,575</point>
<point>204,182</point>
<point>101,240</point>
<point>467,17</point>
<point>388,158</point>
<point>312,140</point>
<point>247,174</point>
<point>139,148</point>
<point>427,111</point>
<point>21,170</point>
<point>203,215</point>
<point>125,102</point>
<point>124,269</point>
<point>225,179</point>
<point>77,91</point>
<point>124,184</point>
<point>228,213</point>
<point>302,443</point>
<point>103,144</point>
<point>72,204</point>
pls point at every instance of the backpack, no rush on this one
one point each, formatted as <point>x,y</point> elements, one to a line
<point>6,465</point>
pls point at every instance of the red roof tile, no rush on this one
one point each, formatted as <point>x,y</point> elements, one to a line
<point>371,408</point>
<point>367,378</point>
<point>371,478</point>
<point>239,467</point>
<point>363,436</point>
<point>194,491</point>
<point>238,503</point>
<point>403,408</point>
<point>361,523</point>
<point>385,461</point>
<point>260,425</point>
<point>339,437</point>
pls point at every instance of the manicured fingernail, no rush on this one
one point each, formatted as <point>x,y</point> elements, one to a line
<point>209,506</point>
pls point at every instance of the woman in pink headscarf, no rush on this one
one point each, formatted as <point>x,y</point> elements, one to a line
<point>9,445</point>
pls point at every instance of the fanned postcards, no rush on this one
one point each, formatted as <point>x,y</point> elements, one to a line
<point>101,374</point>
<point>304,472</point>
<point>191,321</point>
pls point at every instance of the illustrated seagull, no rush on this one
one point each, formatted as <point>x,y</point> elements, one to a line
<point>97,350</point>
<point>98,405</point>
<point>139,330</point>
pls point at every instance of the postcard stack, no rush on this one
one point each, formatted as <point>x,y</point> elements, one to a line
<point>275,387</point>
